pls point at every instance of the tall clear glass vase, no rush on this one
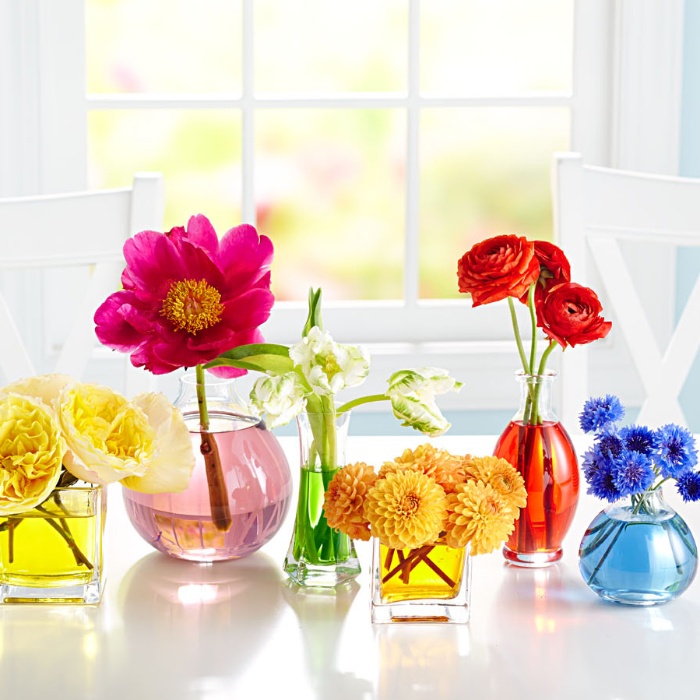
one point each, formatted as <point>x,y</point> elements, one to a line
<point>318,555</point>
<point>538,446</point>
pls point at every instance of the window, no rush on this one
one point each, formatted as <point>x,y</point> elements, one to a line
<point>397,132</point>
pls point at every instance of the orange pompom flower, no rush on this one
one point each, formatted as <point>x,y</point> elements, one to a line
<point>478,515</point>
<point>406,509</point>
<point>502,476</point>
<point>344,500</point>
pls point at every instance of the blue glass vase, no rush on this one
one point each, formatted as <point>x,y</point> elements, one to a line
<point>638,553</point>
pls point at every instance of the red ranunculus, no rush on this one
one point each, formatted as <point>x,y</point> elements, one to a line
<point>188,297</point>
<point>499,267</point>
<point>570,314</point>
<point>554,269</point>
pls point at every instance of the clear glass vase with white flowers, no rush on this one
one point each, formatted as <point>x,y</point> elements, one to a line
<point>303,381</point>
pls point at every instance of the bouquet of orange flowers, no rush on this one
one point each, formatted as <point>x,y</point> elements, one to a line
<point>424,496</point>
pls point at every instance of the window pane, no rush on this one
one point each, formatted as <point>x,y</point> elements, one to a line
<point>330,193</point>
<point>163,46</point>
<point>198,153</point>
<point>490,47</point>
<point>320,46</point>
<point>485,171</point>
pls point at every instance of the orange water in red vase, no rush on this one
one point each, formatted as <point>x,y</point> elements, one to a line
<point>545,456</point>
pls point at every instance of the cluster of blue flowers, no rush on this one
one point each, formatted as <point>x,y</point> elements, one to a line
<point>634,459</point>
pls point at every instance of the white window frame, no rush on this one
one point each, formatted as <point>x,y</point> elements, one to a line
<point>43,131</point>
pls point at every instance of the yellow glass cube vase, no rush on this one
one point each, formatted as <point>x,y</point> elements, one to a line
<point>428,584</point>
<point>53,553</point>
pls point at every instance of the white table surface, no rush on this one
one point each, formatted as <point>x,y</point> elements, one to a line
<point>169,629</point>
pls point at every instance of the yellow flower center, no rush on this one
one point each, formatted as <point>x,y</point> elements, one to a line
<point>329,363</point>
<point>192,305</point>
<point>408,505</point>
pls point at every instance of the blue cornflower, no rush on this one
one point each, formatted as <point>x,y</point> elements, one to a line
<point>688,485</point>
<point>638,438</point>
<point>632,473</point>
<point>603,486</point>
<point>599,413</point>
<point>609,446</point>
<point>592,463</point>
<point>676,451</point>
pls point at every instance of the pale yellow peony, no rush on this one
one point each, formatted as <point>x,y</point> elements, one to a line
<point>171,464</point>
<point>143,443</point>
<point>31,453</point>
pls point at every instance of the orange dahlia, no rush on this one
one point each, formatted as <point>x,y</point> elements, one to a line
<point>509,482</point>
<point>422,459</point>
<point>406,509</point>
<point>442,466</point>
<point>344,500</point>
<point>477,515</point>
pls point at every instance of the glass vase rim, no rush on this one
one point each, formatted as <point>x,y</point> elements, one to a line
<point>547,374</point>
<point>83,486</point>
<point>440,541</point>
<point>334,412</point>
<point>653,496</point>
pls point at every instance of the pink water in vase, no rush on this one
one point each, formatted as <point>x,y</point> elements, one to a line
<point>258,484</point>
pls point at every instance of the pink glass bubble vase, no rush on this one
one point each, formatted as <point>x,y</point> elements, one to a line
<point>257,479</point>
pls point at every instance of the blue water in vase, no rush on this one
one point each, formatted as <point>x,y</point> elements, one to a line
<point>638,559</point>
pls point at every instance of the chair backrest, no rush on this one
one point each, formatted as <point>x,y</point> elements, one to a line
<point>606,216</point>
<point>66,250</point>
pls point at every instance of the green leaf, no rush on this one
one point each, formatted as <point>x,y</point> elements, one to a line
<point>260,357</point>
<point>314,317</point>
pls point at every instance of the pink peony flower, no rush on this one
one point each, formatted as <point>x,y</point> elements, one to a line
<point>188,297</point>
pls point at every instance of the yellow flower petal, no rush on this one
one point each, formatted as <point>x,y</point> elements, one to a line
<point>171,465</point>
<point>31,453</point>
<point>406,509</point>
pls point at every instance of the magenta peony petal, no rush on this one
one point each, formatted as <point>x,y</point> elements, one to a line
<point>244,256</point>
<point>152,261</point>
<point>248,310</point>
<point>201,232</point>
<point>112,328</point>
<point>238,269</point>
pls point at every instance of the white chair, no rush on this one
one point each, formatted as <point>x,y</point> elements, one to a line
<point>81,235</point>
<point>603,215</point>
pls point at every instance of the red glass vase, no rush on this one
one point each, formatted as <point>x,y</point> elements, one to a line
<point>539,447</point>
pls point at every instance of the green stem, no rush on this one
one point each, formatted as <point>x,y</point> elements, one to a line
<point>533,326</point>
<point>358,402</point>
<point>202,398</point>
<point>516,332</point>
<point>535,418</point>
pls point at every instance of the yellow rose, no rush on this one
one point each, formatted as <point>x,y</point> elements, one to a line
<point>143,442</point>
<point>31,453</point>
